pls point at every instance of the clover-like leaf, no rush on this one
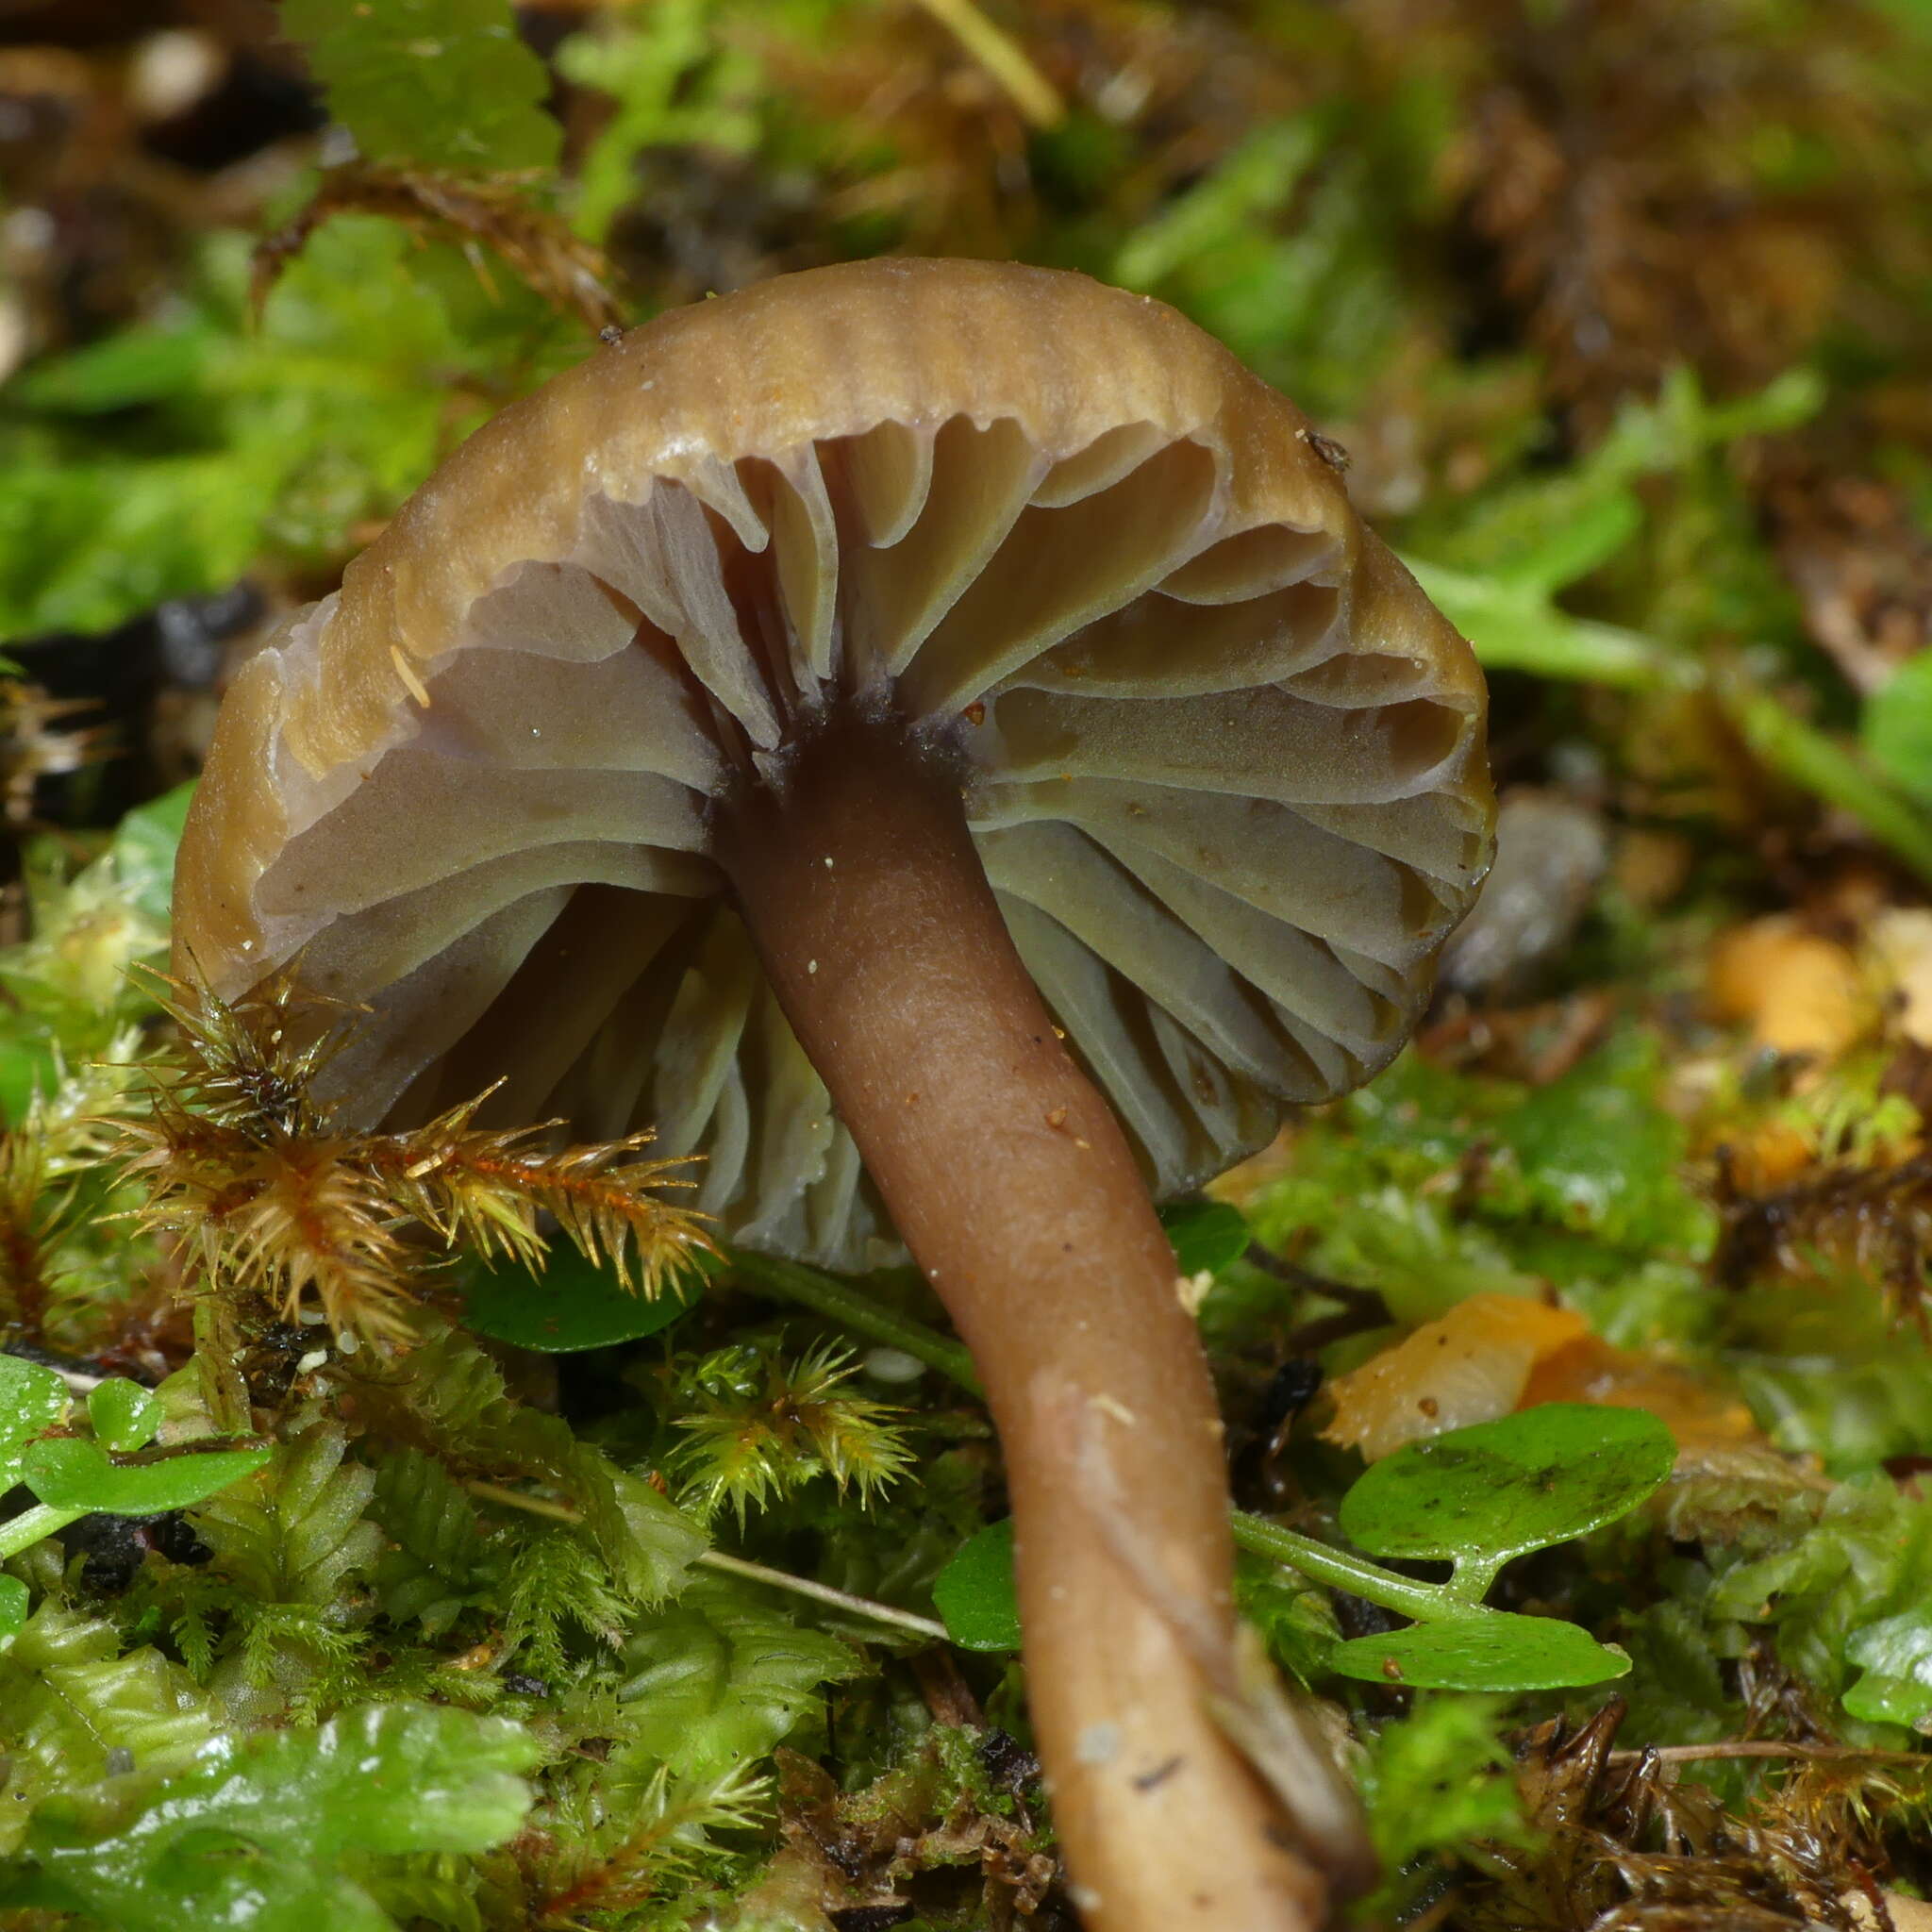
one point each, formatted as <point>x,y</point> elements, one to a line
<point>123,1414</point>
<point>569,1304</point>
<point>974,1592</point>
<point>66,1472</point>
<point>1488,1650</point>
<point>1483,1494</point>
<point>31,1399</point>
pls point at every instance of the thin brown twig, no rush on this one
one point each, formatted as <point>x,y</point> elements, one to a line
<point>1002,57</point>
<point>1762,1747</point>
<point>493,213</point>
<point>1362,1309</point>
<point>740,1566</point>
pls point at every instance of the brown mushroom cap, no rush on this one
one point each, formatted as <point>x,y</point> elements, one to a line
<point>1222,758</point>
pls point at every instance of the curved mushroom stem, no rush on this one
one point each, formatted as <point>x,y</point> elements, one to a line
<point>1015,1188</point>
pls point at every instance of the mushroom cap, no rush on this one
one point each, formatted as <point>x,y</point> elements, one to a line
<point>1222,759</point>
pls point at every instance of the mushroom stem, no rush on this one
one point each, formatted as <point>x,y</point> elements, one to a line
<point>1014,1187</point>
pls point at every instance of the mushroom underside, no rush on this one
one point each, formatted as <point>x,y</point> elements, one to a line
<point>1210,770</point>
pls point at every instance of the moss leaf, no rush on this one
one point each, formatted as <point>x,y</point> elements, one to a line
<point>430,83</point>
<point>253,1835</point>
<point>719,1678</point>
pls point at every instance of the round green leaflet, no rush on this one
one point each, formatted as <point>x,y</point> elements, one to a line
<point>973,1594</point>
<point>1493,1650</point>
<point>571,1304</point>
<point>123,1414</point>
<point>1495,1491</point>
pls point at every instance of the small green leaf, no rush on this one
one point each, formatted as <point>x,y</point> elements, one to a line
<point>430,83</point>
<point>1494,1490</point>
<point>31,1399</point>
<point>1897,727</point>
<point>714,1680</point>
<point>14,1609</point>
<point>1208,1236</point>
<point>1492,1649</point>
<point>1294,1614</point>
<point>974,1592</point>
<point>68,1473</point>
<point>569,1304</point>
<point>1894,1658</point>
<point>123,1414</point>
<point>285,436</point>
<point>1515,626</point>
<point>673,82</point>
<point>1580,545</point>
<point>1596,1150</point>
<point>1434,1780</point>
<point>647,1541</point>
<point>26,1067</point>
<point>143,849</point>
<point>1252,182</point>
<point>119,372</point>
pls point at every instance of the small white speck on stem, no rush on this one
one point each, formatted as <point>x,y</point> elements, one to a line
<point>1098,1744</point>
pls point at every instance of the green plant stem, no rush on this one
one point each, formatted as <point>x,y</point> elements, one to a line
<point>217,1348</point>
<point>1517,627</point>
<point>532,1506</point>
<point>851,1309</point>
<point>34,1525</point>
<point>1809,759</point>
<point>1469,1582</point>
<point>1427,1602</point>
<point>1002,57</point>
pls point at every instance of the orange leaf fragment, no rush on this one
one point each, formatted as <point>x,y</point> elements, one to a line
<point>1796,990</point>
<point>1590,1370</point>
<point>1471,1366</point>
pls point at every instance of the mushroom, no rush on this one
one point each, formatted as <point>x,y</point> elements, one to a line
<point>932,738</point>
